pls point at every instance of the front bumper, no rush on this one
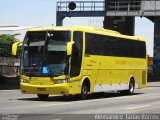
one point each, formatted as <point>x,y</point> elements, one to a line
<point>27,88</point>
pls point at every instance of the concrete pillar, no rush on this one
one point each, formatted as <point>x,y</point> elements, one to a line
<point>156,61</point>
<point>59,19</point>
<point>124,25</point>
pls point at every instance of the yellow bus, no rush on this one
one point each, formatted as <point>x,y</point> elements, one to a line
<point>81,60</point>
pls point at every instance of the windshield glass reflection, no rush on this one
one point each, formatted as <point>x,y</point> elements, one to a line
<point>44,53</point>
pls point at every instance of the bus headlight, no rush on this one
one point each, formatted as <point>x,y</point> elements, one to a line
<point>61,81</point>
<point>24,81</point>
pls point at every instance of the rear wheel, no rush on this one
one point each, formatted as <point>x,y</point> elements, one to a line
<point>131,89</point>
<point>42,96</point>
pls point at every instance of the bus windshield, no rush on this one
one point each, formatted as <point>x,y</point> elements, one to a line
<point>44,53</point>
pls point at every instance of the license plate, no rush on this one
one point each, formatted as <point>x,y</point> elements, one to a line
<point>41,89</point>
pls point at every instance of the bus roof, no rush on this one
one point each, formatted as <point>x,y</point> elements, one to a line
<point>81,28</point>
<point>89,30</point>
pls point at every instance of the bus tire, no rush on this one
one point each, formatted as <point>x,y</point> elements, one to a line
<point>84,92</point>
<point>131,89</point>
<point>42,96</point>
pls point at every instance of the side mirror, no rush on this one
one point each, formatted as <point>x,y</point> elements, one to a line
<point>69,48</point>
<point>15,48</point>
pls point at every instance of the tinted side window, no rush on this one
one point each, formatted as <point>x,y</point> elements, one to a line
<point>90,45</point>
<point>97,45</point>
<point>142,49</point>
<point>76,59</point>
<point>114,46</point>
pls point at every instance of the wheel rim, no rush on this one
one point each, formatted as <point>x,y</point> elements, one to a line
<point>131,88</point>
<point>84,90</point>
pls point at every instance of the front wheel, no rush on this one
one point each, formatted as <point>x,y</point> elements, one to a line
<point>42,96</point>
<point>84,92</point>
